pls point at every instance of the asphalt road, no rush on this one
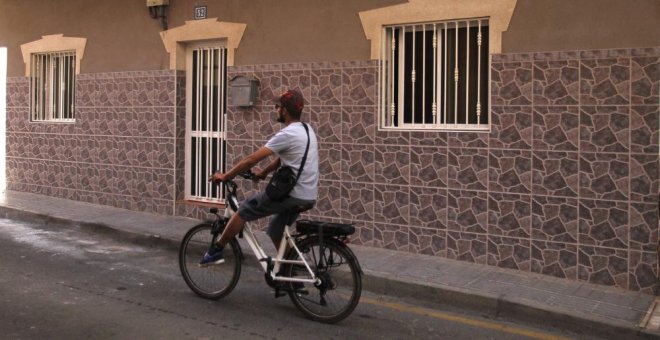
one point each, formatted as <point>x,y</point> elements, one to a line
<point>69,284</point>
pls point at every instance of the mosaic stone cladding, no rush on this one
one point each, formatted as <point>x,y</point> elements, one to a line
<point>120,151</point>
<point>565,183</point>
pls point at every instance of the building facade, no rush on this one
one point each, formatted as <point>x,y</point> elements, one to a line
<point>557,174</point>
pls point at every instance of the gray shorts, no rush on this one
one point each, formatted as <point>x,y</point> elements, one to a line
<point>285,212</point>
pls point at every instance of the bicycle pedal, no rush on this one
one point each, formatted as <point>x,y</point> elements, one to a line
<point>279,293</point>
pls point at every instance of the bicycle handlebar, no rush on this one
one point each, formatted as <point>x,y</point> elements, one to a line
<point>232,186</point>
<point>247,174</point>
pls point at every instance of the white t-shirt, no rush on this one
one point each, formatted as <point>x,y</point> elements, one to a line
<point>289,144</point>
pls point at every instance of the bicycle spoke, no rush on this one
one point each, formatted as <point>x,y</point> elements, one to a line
<point>214,281</point>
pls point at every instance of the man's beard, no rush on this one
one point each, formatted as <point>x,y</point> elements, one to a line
<point>280,119</point>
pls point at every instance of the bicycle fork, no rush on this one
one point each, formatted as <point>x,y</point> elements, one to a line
<point>216,230</point>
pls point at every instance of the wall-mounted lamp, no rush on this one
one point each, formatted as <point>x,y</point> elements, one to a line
<point>158,9</point>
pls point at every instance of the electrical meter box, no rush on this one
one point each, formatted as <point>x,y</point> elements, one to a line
<point>243,91</point>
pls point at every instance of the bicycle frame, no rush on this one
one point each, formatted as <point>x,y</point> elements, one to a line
<point>265,260</point>
<point>333,277</point>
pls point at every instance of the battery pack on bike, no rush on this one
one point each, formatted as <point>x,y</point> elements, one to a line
<point>307,227</point>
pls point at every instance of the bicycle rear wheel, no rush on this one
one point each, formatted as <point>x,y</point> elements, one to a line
<point>341,283</point>
<point>212,282</point>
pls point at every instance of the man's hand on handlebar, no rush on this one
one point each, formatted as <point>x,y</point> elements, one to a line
<point>218,177</point>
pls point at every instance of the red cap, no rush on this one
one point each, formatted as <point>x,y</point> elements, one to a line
<point>292,100</point>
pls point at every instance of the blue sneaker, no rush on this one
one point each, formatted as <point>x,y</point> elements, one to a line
<point>212,257</point>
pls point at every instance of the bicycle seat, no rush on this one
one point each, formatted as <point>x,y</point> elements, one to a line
<point>301,208</point>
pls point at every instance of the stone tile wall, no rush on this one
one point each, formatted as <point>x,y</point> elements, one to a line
<point>119,151</point>
<point>564,184</point>
<point>594,161</point>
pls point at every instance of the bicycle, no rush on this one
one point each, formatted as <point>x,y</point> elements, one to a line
<point>319,272</point>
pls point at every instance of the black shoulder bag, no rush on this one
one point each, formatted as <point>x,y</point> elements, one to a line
<point>284,179</point>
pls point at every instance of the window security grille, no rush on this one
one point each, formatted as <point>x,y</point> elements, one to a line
<point>52,86</point>
<point>435,76</point>
<point>206,145</point>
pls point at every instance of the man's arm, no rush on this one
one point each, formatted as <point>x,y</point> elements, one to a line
<point>245,164</point>
<point>268,169</point>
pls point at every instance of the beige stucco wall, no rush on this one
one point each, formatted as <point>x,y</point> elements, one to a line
<point>557,25</point>
<point>122,37</point>
<point>286,31</point>
<point>120,34</point>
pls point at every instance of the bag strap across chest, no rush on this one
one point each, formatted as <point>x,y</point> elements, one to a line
<point>302,164</point>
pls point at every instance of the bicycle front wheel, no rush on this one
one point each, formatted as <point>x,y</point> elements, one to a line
<point>211,282</point>
<point>340,287</point>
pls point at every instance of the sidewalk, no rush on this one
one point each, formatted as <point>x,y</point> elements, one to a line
<point>495,292</point>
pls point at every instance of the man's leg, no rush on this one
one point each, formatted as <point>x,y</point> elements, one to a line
<point>233,227</point>
<point>214,254</point>
<point>276,226</point>
<point>253,208</point>
<point>276,241</point>
<point>276,232</point>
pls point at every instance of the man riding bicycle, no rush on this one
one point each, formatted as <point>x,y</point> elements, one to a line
<point>289,145</point>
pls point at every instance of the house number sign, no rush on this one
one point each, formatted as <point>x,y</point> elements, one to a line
<point>200,12</point>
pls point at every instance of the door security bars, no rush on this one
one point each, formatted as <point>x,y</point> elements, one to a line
<point>206,124</point>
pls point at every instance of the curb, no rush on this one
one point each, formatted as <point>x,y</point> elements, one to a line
<point>488,305</point>
<point>506,307</point>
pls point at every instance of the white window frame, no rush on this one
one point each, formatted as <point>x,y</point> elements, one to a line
<point>53,87</point>
<point>389,107</point>
<point>203,190</point>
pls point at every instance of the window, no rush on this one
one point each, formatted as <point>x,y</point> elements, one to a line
<point>205,121</point>
<point>52,86</point>
<point>435,76</point>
